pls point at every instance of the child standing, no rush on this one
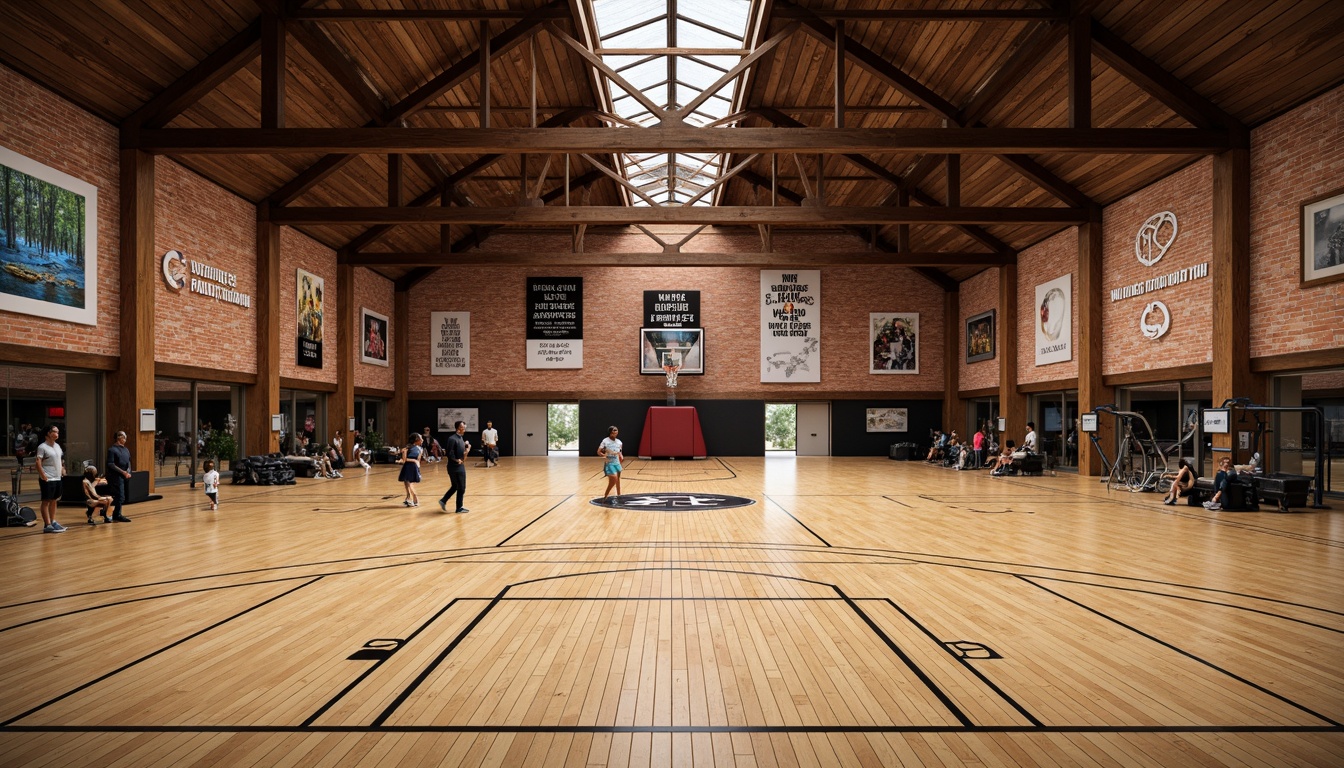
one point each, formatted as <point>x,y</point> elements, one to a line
<point>610,451</point>
<point>410,470</point>
<point>211,480</point>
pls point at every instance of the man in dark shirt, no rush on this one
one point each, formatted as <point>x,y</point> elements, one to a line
<point>455,453</point>
<point>119,475</point>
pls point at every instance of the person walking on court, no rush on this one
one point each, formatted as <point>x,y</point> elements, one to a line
<point>456,455</point>
<point>610,451</point>
<point>119,475</point>
<point>410,470</point>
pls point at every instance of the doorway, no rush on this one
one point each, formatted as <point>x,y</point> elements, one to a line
<point>781,428</point>
<point>562,429</point>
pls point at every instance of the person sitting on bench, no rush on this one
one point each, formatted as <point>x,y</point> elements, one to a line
<point>1183,484</point>
<point>939,443</point>
<point>1220,482</point>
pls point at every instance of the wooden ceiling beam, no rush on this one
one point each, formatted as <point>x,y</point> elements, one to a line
<point>188,89</point>
<point>926,14</point>
<point>346,15</point>
<point>674,259</point>
<point>465,68</point>
<point>533,216</point>
<point>1159,83</point>
<point>378,140</point>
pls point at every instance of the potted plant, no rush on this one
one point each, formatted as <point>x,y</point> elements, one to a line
<point>221,446</point>
<point>374,442</point>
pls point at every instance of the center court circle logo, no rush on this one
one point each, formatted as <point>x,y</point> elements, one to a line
<point>673,502</point>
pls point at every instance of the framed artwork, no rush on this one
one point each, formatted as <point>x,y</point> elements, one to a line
<point>980,337</point>
<point>672,346</point>
<point>888,419</point>
<point>49,249</point>
<point>1323,239</point>
<point>893,341</point>
<point>1054,321</point>
<point>308,295</point>
<point>450,416</point>
<point>373,337</point>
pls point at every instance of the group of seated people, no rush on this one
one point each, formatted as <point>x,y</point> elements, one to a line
<point>329,460</point>
<point>948,450</point>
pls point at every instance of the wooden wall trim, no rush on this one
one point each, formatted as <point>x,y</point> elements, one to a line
<point>1058,385</point>
<point>556,397</point>
<point>1298,361</point>
<point>386,394</point>
<point>967,394</point>
<point>305,385</point>
<point>1159,375</point>
<point>199,373</point>
<point>22,354</point>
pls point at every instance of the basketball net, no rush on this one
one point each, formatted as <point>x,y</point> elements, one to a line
<point>671,371</point>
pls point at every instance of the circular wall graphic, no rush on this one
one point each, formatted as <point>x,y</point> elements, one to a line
<point>673,502</point>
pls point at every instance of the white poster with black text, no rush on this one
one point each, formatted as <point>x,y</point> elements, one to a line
<point>791,326</point>
<point>450,343</point>
<point>1054,321</point>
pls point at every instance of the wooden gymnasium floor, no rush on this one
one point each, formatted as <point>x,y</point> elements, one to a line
<point>862,612</point>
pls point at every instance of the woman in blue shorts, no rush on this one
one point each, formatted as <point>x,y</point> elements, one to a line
<point>610,451</point>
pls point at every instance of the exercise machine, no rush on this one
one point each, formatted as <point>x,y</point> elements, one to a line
<point>1139,463</point>
<point>1273,484</point>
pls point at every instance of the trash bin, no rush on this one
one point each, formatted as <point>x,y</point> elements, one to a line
<point>902,452</point>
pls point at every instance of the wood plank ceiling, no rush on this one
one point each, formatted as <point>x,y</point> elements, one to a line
<point>1244,62</point>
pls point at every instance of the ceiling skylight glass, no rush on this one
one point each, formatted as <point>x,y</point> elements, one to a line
<point>671,80</point>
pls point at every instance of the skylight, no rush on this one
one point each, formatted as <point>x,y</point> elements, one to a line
<point>671,80</point>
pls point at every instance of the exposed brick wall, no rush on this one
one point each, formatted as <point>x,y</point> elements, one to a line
<point>297,251</point>
<point>1297,157</point>
<point>41,126</point>
<point>979,294</point>
<point>210,225</point>
<point>1188,193</point>
<point>1047,260</point>
<point>613,304</point>
<point>376,292</point>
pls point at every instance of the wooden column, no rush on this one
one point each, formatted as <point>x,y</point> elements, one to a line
<point>341,404</point>
<point>263,398</point>
<point>1231,269</point>
<point>131,387</point>
<point>1012,406</point>
<point>272,71</point>
<point>1080,71</point>
<point>398,418</point>
<point>954,410</point>
<point>1091,391</point>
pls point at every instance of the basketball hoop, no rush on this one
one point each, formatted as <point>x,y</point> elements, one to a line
<point>671,371</point>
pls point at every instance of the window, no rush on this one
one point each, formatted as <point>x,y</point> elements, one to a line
<point>672,80</point>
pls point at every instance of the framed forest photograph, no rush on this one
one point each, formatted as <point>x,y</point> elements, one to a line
<point>48,241</point>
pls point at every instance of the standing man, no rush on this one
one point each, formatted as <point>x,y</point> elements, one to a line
<point>119,475</point>
<point>456,454</point>
<point>50,470</point>
<point>490,441</point>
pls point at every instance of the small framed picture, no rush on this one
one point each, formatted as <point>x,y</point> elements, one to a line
<point>372,337</point>
<point>980,337</point>
<point>893,338</point>
<point>1323,239</point>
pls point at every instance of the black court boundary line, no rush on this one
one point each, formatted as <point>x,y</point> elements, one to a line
<point>703,480</point>
<point>538,517</point>
<point>430,668</point>
<point>1183,652</point>
<point>1176,511</point>
<point>965,663</point>
<point>675,729</point>
<point>796,520</point>
<point>881,556</point>
<point>164,649</point>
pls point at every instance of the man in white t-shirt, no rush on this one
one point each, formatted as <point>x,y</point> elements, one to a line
<point>1029,443</point>
<point>50,469</point>
<point>490,441</point>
